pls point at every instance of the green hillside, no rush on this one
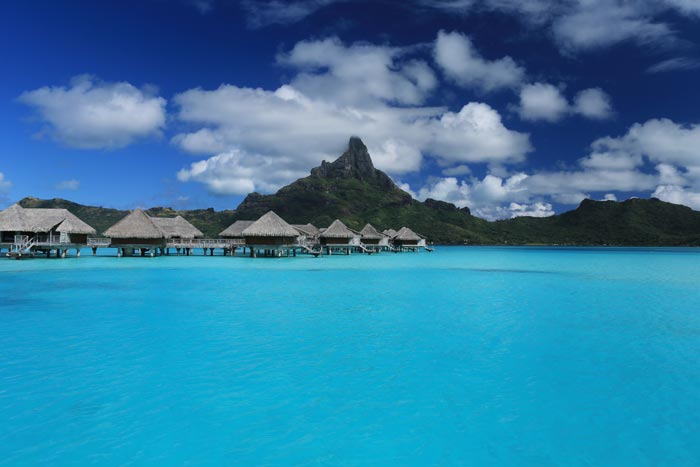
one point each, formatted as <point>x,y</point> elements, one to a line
<point>353,190</point>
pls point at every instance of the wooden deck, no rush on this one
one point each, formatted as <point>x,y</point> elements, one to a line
<point>26,246</point>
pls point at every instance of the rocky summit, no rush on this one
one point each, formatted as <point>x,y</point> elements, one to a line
<point>354,163</point>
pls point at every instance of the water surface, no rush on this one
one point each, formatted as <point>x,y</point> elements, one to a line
<point>466,356</point>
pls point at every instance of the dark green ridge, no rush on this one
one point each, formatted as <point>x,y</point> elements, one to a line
<point>354,191</point>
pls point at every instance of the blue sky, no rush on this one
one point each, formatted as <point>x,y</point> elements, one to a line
<point>511,108</point>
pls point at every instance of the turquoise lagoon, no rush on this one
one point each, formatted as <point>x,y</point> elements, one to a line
<point>466,356</point>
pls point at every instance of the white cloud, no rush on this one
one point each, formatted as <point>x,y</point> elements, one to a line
<point>239,173</point>
<point>542,101</point>
<point>91,114</point>
<point>359,73</point>
<point>678,195</point>
<point>595,24</point>
<point>5,184</point>
<point>573,25</point>
<point>610,197</point>
<point>68,185</point>
<point>674,64</point>
<point>476,134</point>
<point>462,63</point>
<point>570,198</point>
<point>292,132</point>
<point>593,103</point>
<point>661,140</point>
<point>457,170</point>
<point>491,197</point>
<point>531,210</point>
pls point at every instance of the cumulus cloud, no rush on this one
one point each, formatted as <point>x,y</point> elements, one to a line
<point>490,198</point>
<point>461,63</point>
<point>593,103</point>
<point>338,90</point>
<point>68,185</point>
<point>661,140</point>
<point>239,173</point>
<point>475,134</point>
<point>542,101</point>
<point>531,210</point>
<point>90,114</point>
<point>291,132</point>
<point>358,73</point>
<point>658,157</point>
<point>678,195</point>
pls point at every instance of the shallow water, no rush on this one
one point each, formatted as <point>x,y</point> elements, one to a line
<point>466,356</point>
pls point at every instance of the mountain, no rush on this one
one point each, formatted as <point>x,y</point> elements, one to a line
<point>353,190</point>
<point>635,222</point>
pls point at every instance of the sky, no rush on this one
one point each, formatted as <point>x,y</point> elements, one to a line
<point>510,108</point>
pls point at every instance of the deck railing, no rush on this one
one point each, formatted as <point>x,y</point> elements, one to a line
<point>98,242</point>
<point>51,239</point>
<point>205,243</point>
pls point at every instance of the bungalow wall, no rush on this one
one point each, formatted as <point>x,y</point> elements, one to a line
<point>137,241</point>
<point>270,241</point>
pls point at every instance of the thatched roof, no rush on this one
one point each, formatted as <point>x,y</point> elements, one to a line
<point>307,229</point>
<point>337,230</point>
<point>176,227</point>
<point>369,232</point>
<point>389,232</point>
<point>406,234</point>
<point>236,229</point>
<point>270,225</point>
<point>136,225</point>
<point>19,219</point>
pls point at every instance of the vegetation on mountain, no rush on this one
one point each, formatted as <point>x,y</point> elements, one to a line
<point>353,190</point>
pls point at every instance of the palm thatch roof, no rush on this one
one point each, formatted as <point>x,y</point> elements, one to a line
<point>370,233</point>
<point>270,225</point>
<point>307,229</point>
<point>337,230</point>
<point>406,234</point>
<point>176,227</point>
<point>236,229</point>
<point>19,219</point>
<point>389,232</point>
<point>136,225</point>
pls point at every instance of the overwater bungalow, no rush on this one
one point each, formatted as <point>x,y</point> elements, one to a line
<point>178,233</point>
<point>391,233</point>
<point>373,239</point>
<point>271,235</point>
<point>140,232</point>
<point>308,233</point>
<point>338,237</point>
<point>26,231</point>
<point>177,228</point>
<point>234,233</point>
<point>136,232</point>
<point>235,230</point>
<point>406,238</point>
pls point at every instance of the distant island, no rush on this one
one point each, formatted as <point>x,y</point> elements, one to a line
<point>353,190</point>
